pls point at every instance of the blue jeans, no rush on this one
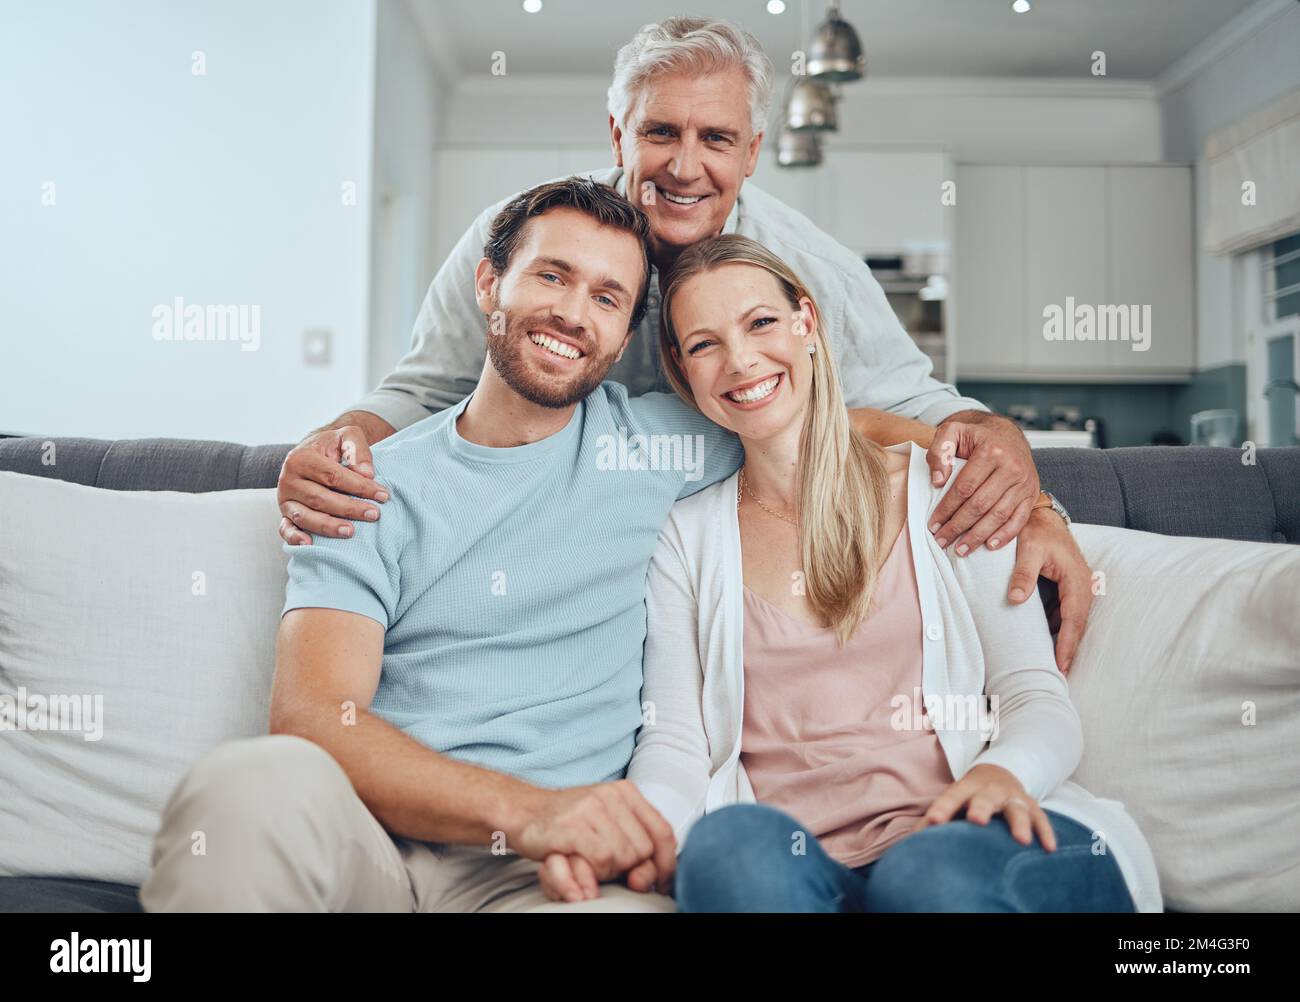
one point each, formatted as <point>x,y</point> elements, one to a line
<point>747,858</point>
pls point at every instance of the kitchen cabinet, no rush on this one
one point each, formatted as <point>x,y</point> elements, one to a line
<point>871,201</point>
<point>1065,262</point>
<point>1106,248</point>
<point>990,267</point>
<point>1152,262</point>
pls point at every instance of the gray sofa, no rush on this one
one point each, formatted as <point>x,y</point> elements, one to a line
<point>1175,491</point>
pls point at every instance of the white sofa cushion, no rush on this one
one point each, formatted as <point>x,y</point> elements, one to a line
<point>163,608</point>
<point>1188,683</point>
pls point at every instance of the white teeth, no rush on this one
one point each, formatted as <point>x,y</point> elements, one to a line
<point>757,392</point>
<point>557,347</point>
<point>680,199</point>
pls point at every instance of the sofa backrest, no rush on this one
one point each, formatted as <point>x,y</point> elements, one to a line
<point>1177,491</point>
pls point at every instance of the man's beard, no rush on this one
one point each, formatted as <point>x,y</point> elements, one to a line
<point>507,354</point>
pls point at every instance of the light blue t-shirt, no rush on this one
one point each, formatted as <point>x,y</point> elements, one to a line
<point>511,582</point>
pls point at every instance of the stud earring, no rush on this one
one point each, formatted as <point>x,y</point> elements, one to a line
<point>812,348</point>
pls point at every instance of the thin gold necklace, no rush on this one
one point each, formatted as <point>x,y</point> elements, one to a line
<point>744,486</point>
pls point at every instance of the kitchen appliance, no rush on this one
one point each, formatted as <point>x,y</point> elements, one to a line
<point>915,283</point>
<point>1066,427</point>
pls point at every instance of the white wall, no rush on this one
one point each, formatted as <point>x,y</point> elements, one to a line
<point>221,189</point>
<point>408,116</point>
<point>1257,66</point>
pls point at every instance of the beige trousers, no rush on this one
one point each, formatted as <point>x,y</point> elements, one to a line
<point>272,824</point>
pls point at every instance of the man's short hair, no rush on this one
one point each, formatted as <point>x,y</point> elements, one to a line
<point>693,45</point>
<point>599,201</point>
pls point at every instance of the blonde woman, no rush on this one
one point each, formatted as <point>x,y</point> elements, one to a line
<point>817,666</point>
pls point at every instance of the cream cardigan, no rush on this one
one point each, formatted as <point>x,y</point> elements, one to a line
<point>687,757</point>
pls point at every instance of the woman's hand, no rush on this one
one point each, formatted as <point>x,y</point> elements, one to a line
<point>571,878</point>
<point>568,878</point>
<point>987,790</point>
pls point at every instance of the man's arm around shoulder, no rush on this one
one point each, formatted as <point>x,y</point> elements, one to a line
<point>886,428</point>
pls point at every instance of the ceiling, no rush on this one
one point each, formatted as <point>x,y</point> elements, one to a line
<point>930,38</point>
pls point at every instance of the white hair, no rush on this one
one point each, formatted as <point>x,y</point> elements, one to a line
<point>695,45</point>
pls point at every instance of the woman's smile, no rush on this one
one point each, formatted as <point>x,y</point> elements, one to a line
<point>754,394</point>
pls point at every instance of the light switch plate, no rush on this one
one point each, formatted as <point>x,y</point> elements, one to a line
<point>316,344</point>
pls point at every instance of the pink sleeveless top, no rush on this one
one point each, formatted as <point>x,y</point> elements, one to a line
<point>818,741</point>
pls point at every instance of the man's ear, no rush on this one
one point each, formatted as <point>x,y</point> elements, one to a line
<point>616,141</point>
<point>623,347</point>
<point>485,285</point>
<point>755,145</point>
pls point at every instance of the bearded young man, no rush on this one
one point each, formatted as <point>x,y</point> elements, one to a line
<point>457,688</point>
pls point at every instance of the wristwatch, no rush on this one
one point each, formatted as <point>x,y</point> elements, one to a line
<point>1046,499</point>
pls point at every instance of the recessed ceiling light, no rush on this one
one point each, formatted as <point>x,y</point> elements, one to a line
<point>1020,6</point>
<point>776,6</point>
<point>532,6</point>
